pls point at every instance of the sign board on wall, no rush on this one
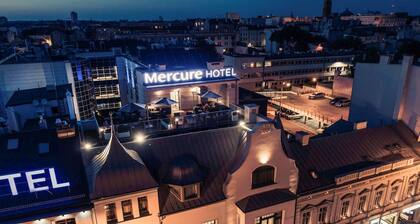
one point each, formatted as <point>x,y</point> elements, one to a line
<point>32,181</point>
<point>188,76</point>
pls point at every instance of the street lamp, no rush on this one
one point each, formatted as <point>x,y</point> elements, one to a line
<point>287,84</point>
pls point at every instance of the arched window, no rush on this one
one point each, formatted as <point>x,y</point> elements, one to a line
<point>262,176</point>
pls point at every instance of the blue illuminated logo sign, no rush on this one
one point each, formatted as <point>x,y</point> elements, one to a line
<point>35,180</point>
<point>189,76</point>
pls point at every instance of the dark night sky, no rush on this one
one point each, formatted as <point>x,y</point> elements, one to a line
<point>179,9</point>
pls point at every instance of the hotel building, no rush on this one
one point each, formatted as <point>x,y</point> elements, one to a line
<point>182,75</point>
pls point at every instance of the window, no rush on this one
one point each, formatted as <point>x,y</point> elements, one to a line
<point>322,215</point>
<point>43,148</point>
<point>263,176</point>
<point>393,195</point>
<point>12,143</point>
<point>111,216</point>
<point>362,203</point>
<point>411,187</point>
<point>378,198</point>
<point>127,210</point>
<point>191,192</point>
<point>306,218</point>
<point>273,218</point>
<point>66,221</point>
<point>143,206</point>
<point>345,209</point>
<point>211,222</point>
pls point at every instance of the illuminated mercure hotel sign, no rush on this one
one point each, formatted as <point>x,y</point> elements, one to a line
<point>34,181</point>
<point>188,76</point>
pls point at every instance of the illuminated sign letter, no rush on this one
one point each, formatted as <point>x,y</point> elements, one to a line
<point>150,78</point>
<point>32,181</point>
<point>11,179</point>
<point>54,180</point>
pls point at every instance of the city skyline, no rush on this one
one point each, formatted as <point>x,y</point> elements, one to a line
<point>144,10</point>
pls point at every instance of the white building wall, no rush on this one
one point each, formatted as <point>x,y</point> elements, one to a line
<point>378,91</point>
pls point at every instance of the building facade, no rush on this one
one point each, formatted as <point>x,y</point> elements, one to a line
<point>269,72</point>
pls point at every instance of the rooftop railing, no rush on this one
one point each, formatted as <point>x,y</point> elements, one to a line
<point>177,124</point>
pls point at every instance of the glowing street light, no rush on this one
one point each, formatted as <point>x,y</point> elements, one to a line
<point>140,138</point>
<point>87,146</point>
<point>314,79</point>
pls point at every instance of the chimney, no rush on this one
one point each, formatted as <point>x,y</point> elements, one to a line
<point>251,111</point>
<point>302,137</point>
<point>360,125</point>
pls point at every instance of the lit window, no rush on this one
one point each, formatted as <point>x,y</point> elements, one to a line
<point>268,64</point>
<point>322,215</point>
<point>111,216</point>
<point>263,176</point>
<point>362,203</point>
<point>258,64</point>
<point>345,209</point>
<point>274,218</point>
<point>66,221</point>
<point>191,192</point>
<point>127,210</point>
<point>306,218</point>
<point>143,206</point>
<point>378,198</point>
<point>211,222</point>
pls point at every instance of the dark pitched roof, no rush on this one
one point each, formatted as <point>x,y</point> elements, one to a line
<point>64,156</point>
<point>184,170</point>
<point>213,150</point>
<point>27,96</point>
<point>265,199</point>
<point>340,154</point>
<point>341,126</point>
<point>118,170</point>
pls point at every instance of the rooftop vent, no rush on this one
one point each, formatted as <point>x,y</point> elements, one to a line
<point>302,137</point>
<point>394,147</point>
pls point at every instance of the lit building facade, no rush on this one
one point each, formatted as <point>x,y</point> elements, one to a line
<point>269,72</point>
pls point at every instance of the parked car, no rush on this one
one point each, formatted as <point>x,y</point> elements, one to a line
<point>336,99</point>
<point>316,96</point>
<point>289,115</point>
<point>343,103</point>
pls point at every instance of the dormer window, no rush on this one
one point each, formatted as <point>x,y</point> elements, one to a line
<point>262,176</point>
<point>191,191</point>
<point>185,193</point>
<point>184,178</point>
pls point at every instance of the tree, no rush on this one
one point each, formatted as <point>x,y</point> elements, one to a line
<point>347,43</point>
<point>296,38</point>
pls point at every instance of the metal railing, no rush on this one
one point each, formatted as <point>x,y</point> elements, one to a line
<point>179,124</point>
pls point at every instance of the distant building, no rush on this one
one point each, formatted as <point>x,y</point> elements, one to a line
<point>257,72</point>
<point>3,20</point>
<point>379,20</point>
<point>327,8</point>
<point>74,18</point>
<point>394,96</point>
